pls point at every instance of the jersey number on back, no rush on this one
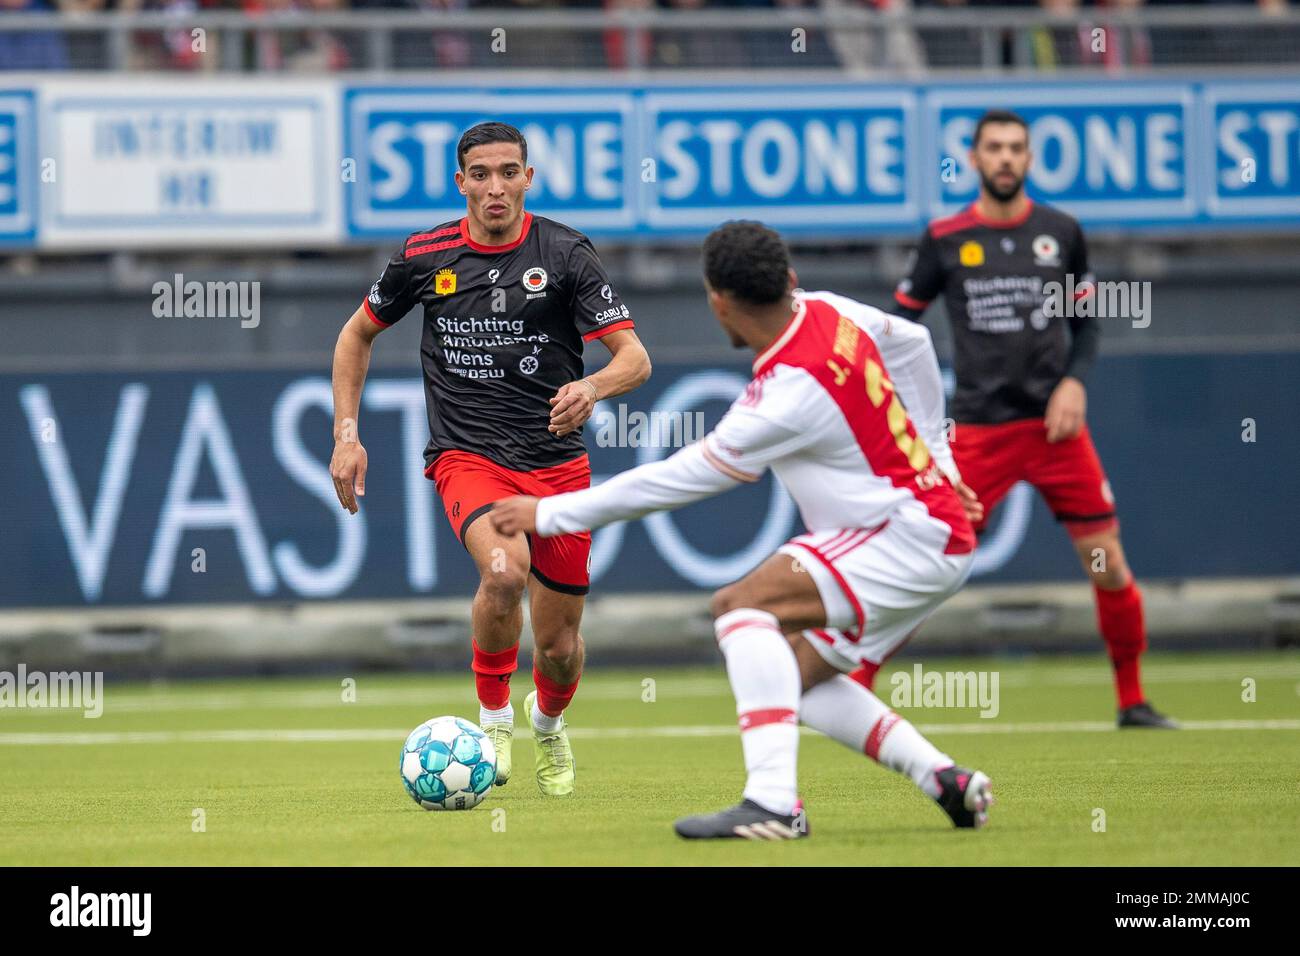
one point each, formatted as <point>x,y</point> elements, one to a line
<point>877,384</point>
<point>917,454</point>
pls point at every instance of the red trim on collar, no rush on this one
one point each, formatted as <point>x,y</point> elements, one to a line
<point>480,247</point>
<point>1002,223</point>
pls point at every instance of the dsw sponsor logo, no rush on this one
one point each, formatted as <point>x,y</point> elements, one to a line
<point>958,689</point>
<point>103,909</point>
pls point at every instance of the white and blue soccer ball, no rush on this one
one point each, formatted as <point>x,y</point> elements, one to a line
<point>448,763</point>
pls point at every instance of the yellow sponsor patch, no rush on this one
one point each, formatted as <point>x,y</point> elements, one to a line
<point>971,254</point>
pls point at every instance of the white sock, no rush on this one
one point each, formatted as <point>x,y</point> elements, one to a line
<point>844,710</point>
<point>764,677</point>
<point>544,723</point>
<point>506,715</point>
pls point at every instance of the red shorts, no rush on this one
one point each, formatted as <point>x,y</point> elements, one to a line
<point>1068,474</point>
<point>468,485</point>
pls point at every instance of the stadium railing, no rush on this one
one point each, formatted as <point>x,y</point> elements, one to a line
<point>852,40</point>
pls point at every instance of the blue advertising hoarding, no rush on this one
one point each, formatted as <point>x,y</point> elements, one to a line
<point>1122,155</point>
<point>343,163</point>
<point>404,144</point>
<point>833,157</point>
<point>18,173</point>
<point>1256,129</point>
<point>837,160</point>
<point>161,487</point>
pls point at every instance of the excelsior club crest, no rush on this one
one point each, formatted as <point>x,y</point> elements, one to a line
<point>535,279</point>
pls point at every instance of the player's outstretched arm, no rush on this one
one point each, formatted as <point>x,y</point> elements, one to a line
<point>673,482</point>
<point>629,366</point>
<point>748,440</point>
<point>351,361</point>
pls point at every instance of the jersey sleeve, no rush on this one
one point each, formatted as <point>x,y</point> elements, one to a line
<point>673,482</point>
<point>751,436</point>
<point>923,282</point>
<point>1085,330</point>
<point>597,308</point>
<point>1078,263</point>
<point>745,442</point>
<point>392,296</point>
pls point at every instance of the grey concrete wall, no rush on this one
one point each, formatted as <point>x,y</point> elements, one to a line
<point>84,317</point>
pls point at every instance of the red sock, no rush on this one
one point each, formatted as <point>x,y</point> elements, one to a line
<point>1119,617</point>
<point>492,672</point>
<point>866,674</point>
<point>552,698</point>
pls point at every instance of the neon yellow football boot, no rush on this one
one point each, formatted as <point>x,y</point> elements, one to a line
<point>501,736</point>
<point>554,756</point>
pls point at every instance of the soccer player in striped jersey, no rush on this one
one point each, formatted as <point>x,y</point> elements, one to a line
<point>1021,365</point>
<point>888,540</point>
<point>508,302</point>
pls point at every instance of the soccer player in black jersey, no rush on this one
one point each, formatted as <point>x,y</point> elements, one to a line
<point>1020,399</point>
<point>508,301</point>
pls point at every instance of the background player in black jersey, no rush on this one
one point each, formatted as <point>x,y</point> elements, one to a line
<point>1020,399</point>
<point>509,299</point>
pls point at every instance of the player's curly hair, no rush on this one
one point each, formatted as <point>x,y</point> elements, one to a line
<point>747,259</point>
<point>485,133</point>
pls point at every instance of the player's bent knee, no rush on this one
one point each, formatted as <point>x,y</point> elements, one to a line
<point>503,590</point>
<point>728,599</point>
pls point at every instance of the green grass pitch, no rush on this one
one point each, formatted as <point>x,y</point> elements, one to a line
<point>284,771</point>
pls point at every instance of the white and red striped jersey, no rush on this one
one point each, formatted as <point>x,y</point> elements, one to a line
<point>846,408</point>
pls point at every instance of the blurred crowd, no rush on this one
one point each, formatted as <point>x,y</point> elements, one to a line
<point>311,48</point>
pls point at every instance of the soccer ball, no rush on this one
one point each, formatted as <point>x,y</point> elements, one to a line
<point>448,763</point>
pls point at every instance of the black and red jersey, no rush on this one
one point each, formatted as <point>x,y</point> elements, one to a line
<point>1009,351</point>
<point>504,328</point>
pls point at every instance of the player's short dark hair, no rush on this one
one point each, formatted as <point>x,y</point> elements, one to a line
<point>997,116</point>
<point>485,133</point>
<point>748,260</point>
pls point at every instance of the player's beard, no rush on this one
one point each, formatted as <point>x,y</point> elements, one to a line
<point>497,227</point>
<point>1002,193</point>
